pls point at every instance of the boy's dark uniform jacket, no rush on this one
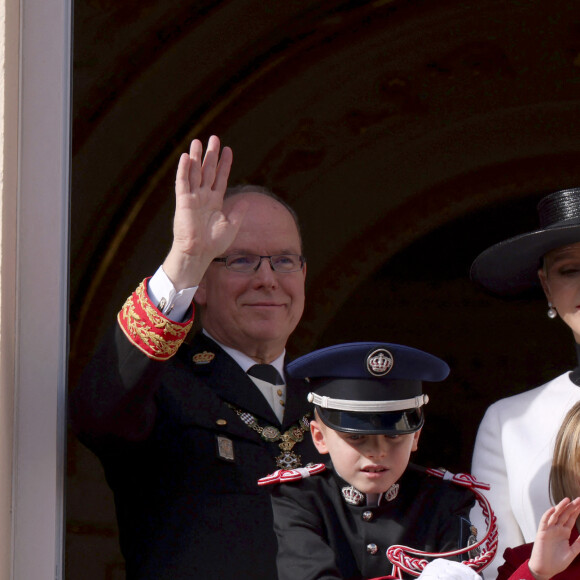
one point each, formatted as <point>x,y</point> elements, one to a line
<point>322,537</point>
<point>184,511</point>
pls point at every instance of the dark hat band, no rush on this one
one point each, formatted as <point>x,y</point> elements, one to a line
<point>366,389</point>
<point>559,207</point>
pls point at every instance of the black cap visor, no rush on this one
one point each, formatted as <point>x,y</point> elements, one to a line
<point>392,423</point>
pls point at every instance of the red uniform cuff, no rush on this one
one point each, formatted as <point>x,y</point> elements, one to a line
<point>148,329</point>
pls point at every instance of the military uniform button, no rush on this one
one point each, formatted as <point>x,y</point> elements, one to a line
<point>372,549</point>
<point>367,516</point>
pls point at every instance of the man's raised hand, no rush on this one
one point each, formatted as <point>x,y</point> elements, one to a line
<point>201,231</point>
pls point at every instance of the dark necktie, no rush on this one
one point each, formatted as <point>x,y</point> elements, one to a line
<point>266,373</point>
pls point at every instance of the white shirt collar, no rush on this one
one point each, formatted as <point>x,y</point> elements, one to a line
<point>245,361</point>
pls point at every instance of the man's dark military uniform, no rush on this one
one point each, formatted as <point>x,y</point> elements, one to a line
<point>165,435</point>
<point>322,536</point>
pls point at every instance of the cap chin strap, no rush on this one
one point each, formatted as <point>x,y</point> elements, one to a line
<point>368,406</point>
<point>402,556</point>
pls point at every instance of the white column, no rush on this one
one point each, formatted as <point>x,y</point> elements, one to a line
<point>9,52</point>
<point>41,278</point>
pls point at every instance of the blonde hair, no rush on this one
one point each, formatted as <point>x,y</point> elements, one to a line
<point>565,471</point>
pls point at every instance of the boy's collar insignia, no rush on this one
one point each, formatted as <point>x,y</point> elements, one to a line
<point>392,492</point>
<point>380,362</point>
<point>352,495</point>
<point>203,358</point>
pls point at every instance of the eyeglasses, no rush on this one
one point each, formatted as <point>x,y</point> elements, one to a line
<point>251,262</point>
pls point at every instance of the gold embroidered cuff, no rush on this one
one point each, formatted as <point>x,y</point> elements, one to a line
<point>148,329</point>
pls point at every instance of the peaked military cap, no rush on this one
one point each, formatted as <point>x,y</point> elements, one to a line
<point>369,387</point>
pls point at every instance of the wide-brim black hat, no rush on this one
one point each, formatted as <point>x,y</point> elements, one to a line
<point>511,267</point>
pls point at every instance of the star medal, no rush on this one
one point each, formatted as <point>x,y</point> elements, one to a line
<point>288,460</point>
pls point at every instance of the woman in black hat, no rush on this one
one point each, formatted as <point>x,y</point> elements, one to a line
<point>515,440</point>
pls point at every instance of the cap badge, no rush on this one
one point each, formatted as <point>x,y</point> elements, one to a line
<point>379,362</point>
<point>352,495</point>
<point>203,358</point>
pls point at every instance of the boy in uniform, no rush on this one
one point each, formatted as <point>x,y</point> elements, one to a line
<point>338,520</point>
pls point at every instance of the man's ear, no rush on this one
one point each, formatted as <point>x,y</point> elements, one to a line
<point>200,296</point>
<point>317,432</point>
<point>416,436</point>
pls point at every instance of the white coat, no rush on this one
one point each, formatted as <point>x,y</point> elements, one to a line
<point>513,452</point>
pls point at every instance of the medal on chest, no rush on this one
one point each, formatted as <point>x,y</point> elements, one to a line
<point>288,458</point>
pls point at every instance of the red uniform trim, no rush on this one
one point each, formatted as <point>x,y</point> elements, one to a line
<point>148,329</point>
<point>287,475</point>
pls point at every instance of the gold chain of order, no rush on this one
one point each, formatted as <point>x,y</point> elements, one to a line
<point>294,434</point>
<point>288,459</point>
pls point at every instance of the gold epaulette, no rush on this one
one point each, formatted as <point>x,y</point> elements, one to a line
<point>148,329</point>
